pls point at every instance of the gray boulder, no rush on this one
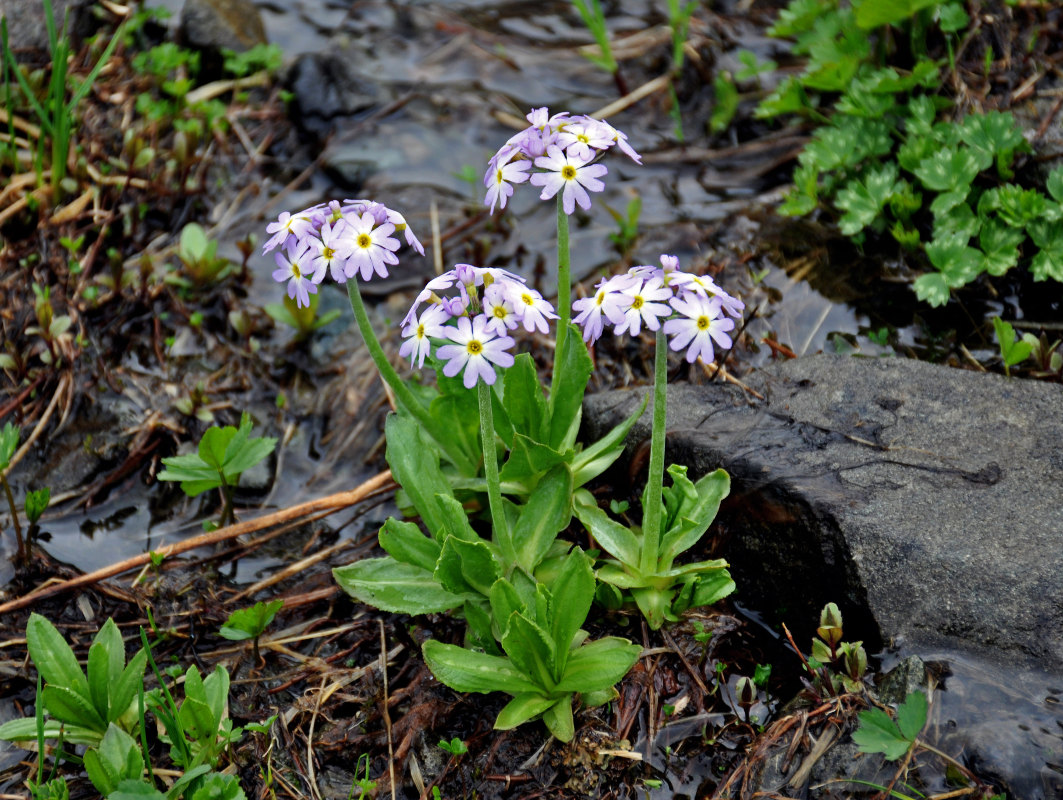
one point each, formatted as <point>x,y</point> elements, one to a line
<point>926,501</point>
<point>26,29</point>
<point>211,25</point>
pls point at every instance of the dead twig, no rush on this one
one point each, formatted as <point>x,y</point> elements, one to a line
<point>328,505</point>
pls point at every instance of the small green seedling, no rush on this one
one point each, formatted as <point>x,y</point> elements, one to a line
<point>36,504</point>
<point>81,708</point>
<point>456,747</point>
<point>199,256</point>
<point>303,318</point>
<point>627,224</point>
<point>365,786</point>
<point>761,675</point>
<point>1012,351</point>
<point>8,444</point>
<point>590,12</point>
<point>249,623</point>
<point>880,734</point>
<point>224,455</point>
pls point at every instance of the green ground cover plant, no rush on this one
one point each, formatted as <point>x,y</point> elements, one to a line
<point>890,156</point>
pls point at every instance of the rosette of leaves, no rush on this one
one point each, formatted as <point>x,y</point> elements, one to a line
<point>546,660</point>
<point>81,707</point>
<point>662,590</point>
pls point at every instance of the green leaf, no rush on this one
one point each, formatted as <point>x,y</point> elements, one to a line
<point>1013,352</point>
<point>25,730</point>
<point>876,13</point>
<point>521,709</point>
<point>1054,184</point>
<point>1048,263</point>
<point>614,538</point>
<point>523,396</point>
<point>249,623</point>
<point>394,587</point>
<point>218,786</point>
<point>468,671</point>
<point>992,134</point>
<point>1018,207</point>
<point>948,170</point>
<point>414,462</point>
<point>952,17</point>
<point>878,734</point>
<point>655,602</point>
<point>127,685</point>
<point>911,715</point>
<point>592,461</point>
<point>598,665</point>
<point>959,220</point>
<point>566,404</point>
<point>571,595</point>
<point>137,790</point>
<point>693,522</point>
<point>958,263</point>
<point>1000,243</point>
<point>36,503</point>
<point>213,445</point>
<point>505,600</point>
<point>531,650</point>
<point>54,658</point>
<point>117,758</point>
<point>405,542</point>
<point>465,567</point>
<point>726,102</point>
<point>68,705</point>
<point>558,719</point>
<point>455,519</point>
<point>863,200</point>
<point>789,97</point>
<point>547,513</point>
<point>529,458</point>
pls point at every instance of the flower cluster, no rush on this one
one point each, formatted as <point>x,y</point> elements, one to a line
<point>484,306</point>
<point>338,239</point>
<point>693,309</point>
<point>564,147</point>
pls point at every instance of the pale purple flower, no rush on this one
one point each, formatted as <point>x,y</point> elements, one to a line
<point>475,350</point>
<point>372,247</point>
<point>620,138</point>
<point>292,266</point>
<point>582,138</point>
<point>403,227</point>
<point>605,302</point>
<point>570,176</point>
<point>502,178</point>
<point>533,310</point>
<point>285,226</point>
<point>702,323</point>
<point>330,251</point>
<point>640,305</point>
<point>432,323</point>
<point>499,310</point>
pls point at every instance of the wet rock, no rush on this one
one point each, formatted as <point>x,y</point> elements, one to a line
<point>212,25</point>
<point>26,29</point>
<point>325,87</point>
<point>925,501</point>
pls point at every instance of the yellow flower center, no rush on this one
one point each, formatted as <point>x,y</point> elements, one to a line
<point>364,240</point>
<point>582,137</point>
<point>498,177</point>
<point>474,347</point>
<point>599,298</point>
<point>328,253</point>
<point>527,299</point>
<point>295,271</point>
<point>703,323</point>
<point>500,312</point>
<point>420,331</point>
<point>637,302</point>
<point>568,172</point>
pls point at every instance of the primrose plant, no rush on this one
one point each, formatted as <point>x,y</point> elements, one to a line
<point>695,313</point>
